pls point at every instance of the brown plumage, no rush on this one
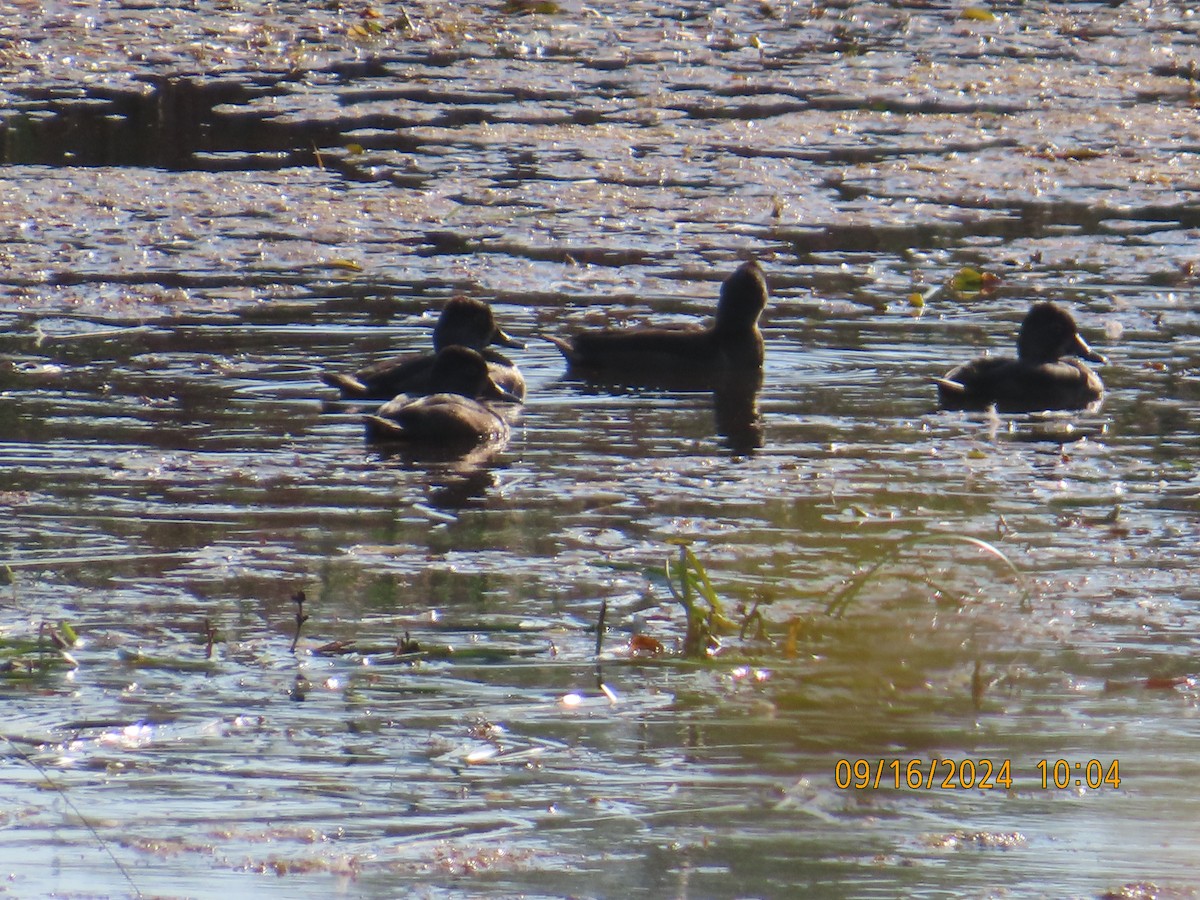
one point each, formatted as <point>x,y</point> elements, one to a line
<point>457,412</point>
<point>731,346</point>
<point>1038,379</point>
<point>464,321</point>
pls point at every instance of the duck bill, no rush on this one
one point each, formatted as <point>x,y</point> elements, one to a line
<point>493,391</point>
<point>504,340</point>
<point>1083,351</point>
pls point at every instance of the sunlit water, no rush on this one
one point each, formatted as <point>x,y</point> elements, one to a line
<point>171,462</point>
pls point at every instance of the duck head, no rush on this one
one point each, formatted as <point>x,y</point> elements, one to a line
<point>469,323</point>
<point>1048,333</point>
<point>743,298</point>
<point>461,370</point>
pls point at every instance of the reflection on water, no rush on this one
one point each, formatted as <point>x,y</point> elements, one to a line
<point>736,419</point>
<point>455,477</point>
<point>173,468</point>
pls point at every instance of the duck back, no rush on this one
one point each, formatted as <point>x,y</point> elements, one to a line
<point>1016,386</point>
<point>731,346</point>
<point>450,418</point>
<point>414,375</point>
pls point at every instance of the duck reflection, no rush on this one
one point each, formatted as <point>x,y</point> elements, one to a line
<point>455,481</point>
<point>736,418</point>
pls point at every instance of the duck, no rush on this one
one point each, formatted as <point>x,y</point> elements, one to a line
<point>457,411</point>
<point>731,345</point>
<point>1038,379</point>
<point>464,321</point>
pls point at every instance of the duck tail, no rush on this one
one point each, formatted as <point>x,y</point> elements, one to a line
<point>950,387</point>
<point>351,387</point>
<point>381,429</point>
<point>566,348</point>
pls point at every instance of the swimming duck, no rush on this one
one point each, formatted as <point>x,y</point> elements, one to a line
<point>731,345</point>
<point>455,413</point>
<point>1038,379</point>
<point>463,321</point>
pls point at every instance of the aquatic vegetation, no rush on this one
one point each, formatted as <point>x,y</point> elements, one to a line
<point>842,600</point>
<point>301,616</point>
<point>63,797</point>
<point>532,7</point>
<point>965,284</point>
<point>977,14</point>
<point>46,652</point>
<point>971,281</point>
<point>135,659</point>
<point>689,584</point>
<point>701,605</point>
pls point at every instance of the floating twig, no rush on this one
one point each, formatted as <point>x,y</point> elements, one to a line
<point>210,636</point>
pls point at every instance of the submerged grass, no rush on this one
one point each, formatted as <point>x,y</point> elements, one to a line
<point>38,657</point>
<point>706,619</point>
<point>43,654</point>
<point>841,602</point>
<point>80,817</point>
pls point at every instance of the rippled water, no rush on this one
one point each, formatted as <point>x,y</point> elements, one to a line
<point>202,209</point>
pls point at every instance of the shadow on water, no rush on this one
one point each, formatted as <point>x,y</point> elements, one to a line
<point>171,122</point>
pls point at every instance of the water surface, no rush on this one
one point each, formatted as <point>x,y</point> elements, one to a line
<point>191,236</point>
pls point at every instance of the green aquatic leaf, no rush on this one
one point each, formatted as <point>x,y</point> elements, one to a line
<point>138,660</point>
<point>30,667</point>
<point>532,7</point>
<point>704,585</point>
<point>967,280</point>
<point>972,281</point>
<point>689,584</point>
<point>67,632</point>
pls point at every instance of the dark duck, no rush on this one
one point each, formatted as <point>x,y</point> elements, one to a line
<point>1049,372</point>
<point>732,346</point>
<point>457,412</point>
<point>464,322</point>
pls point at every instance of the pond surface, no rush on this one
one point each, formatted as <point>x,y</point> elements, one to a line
<point>203,208</point>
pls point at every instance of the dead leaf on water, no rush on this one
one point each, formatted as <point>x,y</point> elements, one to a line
<point>346,265</point>
<point>977,14</point>
<point>644,645</point>
<point>532,7</point>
